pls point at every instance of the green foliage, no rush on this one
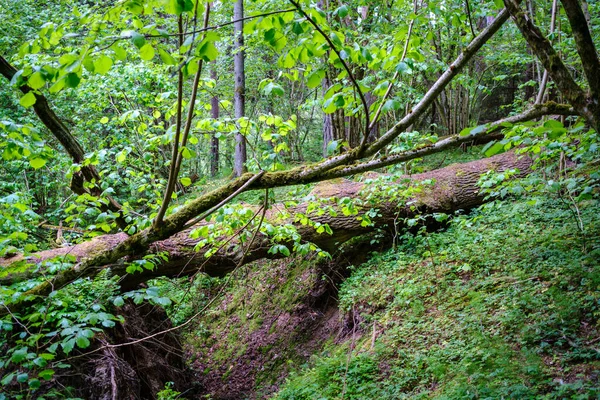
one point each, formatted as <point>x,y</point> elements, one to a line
<point>38,340</point>
<point>168,393</point>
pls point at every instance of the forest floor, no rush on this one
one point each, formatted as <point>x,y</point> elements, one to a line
<point>504,303</point>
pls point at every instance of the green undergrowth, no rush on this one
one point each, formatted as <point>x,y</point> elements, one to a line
<point>505,303</point>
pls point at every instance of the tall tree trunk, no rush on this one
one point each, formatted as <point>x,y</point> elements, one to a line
<point>239,99</point>
<point>214,141</point>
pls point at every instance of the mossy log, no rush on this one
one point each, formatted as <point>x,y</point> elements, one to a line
<point>453,188</point>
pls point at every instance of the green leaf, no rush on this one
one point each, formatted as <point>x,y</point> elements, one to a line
<point>163,301</point>
<point>36,80</point>
<point>166,57</point>
<point>391,105</point>
<point>207,50</point>
<point>68,345</point>
<point>552,123</point>
<point>118,301</point>
<point>34,383</point>
<point>274,89</point>
<point>138,40</point>
<point>104,120</point>
<point>103,64</point>
<point>72,80</point>
<point>134,7</point>
<point>478,129</point>
<point>58,86</point>
<point>19,355</point>
<point>284,250</point>
<point>22,378</point>
<point>82,342</point>
<point>120,53</point>
<point>402,67</point>
<point>315,79</point>
<point>179,6</point>
<point>186,182</point>
<point>342,11</point>
<point>46,374</point>
<point>28,100</point>
<point>186,153</point>
<point>7,379</point>
<point>494,149</point>
<point>555,133</point>
<point>332,147</point>
<point>147,52</point>
<point>465,132</point>
<point>37,163</point>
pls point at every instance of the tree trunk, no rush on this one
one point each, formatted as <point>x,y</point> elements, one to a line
<point>214,141</point>
<point>239,99</point>
<point>454,188</point>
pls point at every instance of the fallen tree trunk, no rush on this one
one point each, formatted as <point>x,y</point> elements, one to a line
<point>453,188</point>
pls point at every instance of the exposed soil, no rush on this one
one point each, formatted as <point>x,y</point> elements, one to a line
<point>262,358</point>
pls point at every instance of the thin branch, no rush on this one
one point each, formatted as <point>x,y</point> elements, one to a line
<point>172,170</point>
<point>62,133</point>
<point>542,91</point>
<point>468,7</point>
<point>439,85</point>
<point>549,108</point>
<point>224,24</point>
<point>221,289</point>
<point>191,107</point>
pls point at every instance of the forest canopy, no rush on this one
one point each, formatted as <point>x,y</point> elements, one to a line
<point>147,141</point>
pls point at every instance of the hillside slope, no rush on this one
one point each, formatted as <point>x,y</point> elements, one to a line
<point>503,304</point>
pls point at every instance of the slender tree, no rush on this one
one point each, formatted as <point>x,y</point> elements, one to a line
<point>214,141</point>
<point>240,86</point>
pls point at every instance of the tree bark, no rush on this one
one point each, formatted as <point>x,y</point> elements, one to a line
<point>454,188</point>
<point>214,141</point>
<point>544,82</point>
<point>239,99</point>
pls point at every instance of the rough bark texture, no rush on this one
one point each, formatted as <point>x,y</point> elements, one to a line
<point>214,113</point>
<point>239,97</point>
<point>454,188</point>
